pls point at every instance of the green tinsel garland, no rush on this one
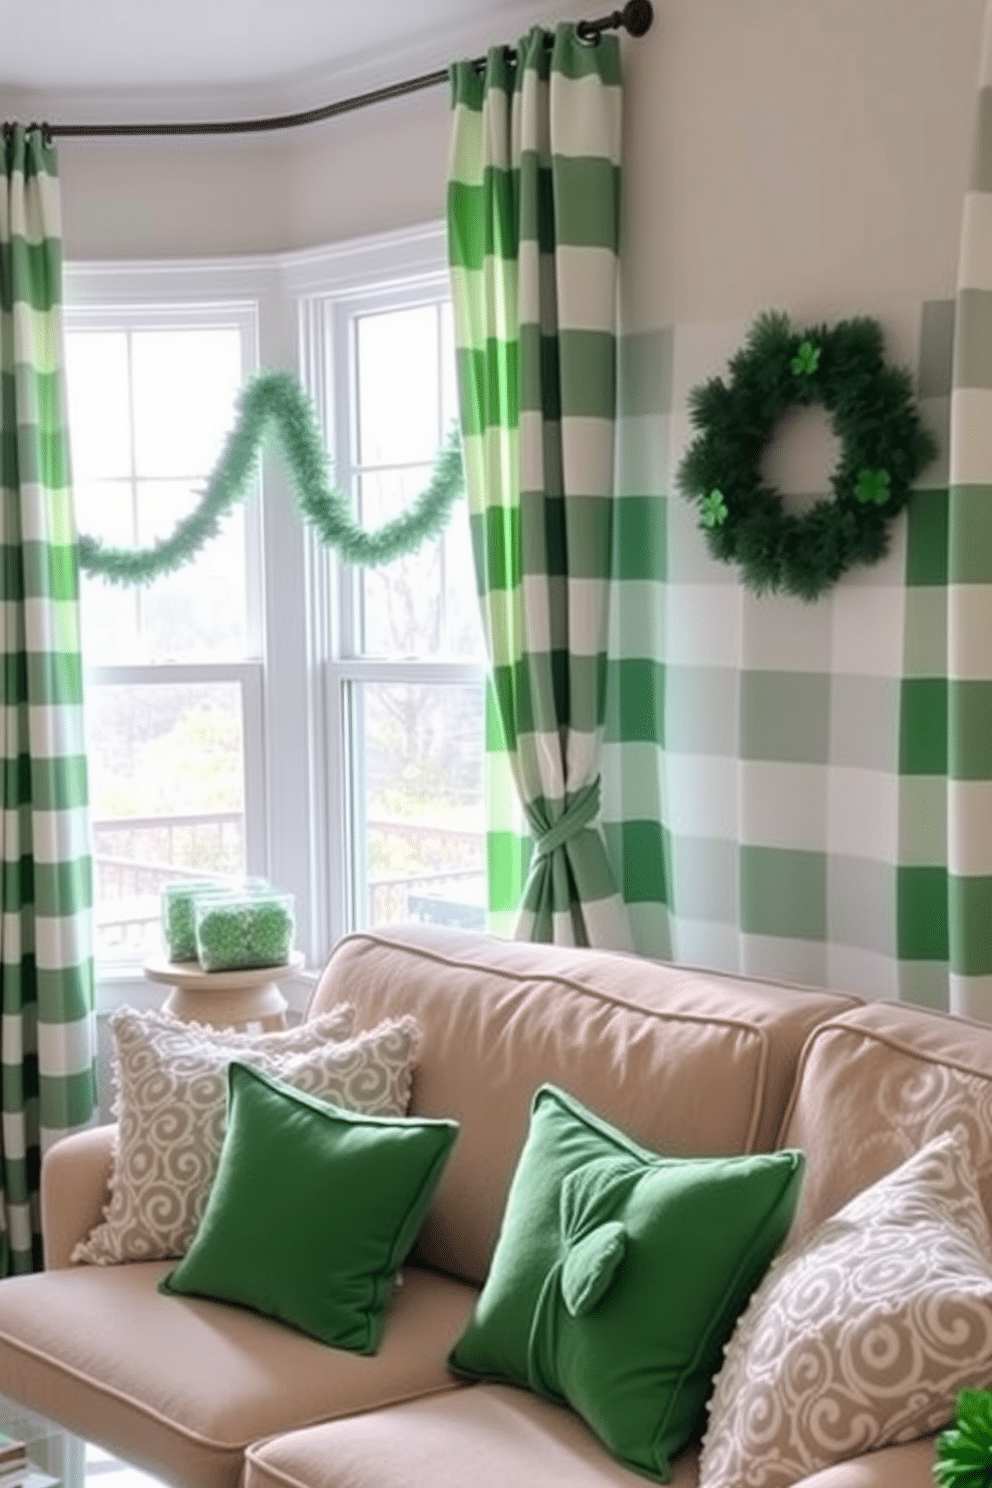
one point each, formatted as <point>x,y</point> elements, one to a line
<point>884,446</point>
<point>276,398</point>
<point>964,1451</point>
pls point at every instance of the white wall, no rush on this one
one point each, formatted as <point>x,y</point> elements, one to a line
<point>370,171</point>
<point>735,195</point>
<point>803,154</point>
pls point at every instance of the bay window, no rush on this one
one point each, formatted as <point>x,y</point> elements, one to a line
<point>267,709</point>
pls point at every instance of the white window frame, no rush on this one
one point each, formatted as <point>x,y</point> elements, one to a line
<point>300,812</point>
<point>94,301</point>
<point>242,315</point>
<point>330,319</point>
<point>389,270</point>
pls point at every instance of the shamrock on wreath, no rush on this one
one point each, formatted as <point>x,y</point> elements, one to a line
<point>884,447</point>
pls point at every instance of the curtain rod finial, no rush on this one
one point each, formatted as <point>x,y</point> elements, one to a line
<point>637,17</point>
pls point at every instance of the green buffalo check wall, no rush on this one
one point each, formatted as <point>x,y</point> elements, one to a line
<point>533,220</point>
<point>775,773</point>
<point>805,791</point>
<point>47,1081</point>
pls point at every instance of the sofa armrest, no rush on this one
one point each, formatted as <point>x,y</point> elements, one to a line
<point>75,1189</point>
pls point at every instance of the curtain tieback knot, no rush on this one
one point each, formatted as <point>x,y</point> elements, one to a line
<point>580,811</point>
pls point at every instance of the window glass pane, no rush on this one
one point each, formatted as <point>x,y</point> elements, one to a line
<point>420,808</point>
<point>463,616</point>
<point>105,508</point>
<point>181,386</point>
<point>96,366</point>
<point>397,385</point>
<point>167,793</point>
<point>109,612</point>
<point>185,383</point>
<point>109,619</point>
<point>404,605</point>
<point>404,601</point>
<point>424,605</point>
<point>201,609</point>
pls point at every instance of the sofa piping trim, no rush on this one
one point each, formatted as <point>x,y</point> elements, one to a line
<point>395,941</point>
<point>274,1474</point>
<point>141,1408</point>
<point>874,1036</point>
<point>290,1479</point>
<point>738,1025</point>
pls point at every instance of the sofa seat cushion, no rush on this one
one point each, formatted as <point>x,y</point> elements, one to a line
<point>181,1386</point>
<point>486,1436</point>
<point>906,1466</point>
<point>491,1436</point>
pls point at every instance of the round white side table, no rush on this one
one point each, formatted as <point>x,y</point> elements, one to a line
<point>225,999</point>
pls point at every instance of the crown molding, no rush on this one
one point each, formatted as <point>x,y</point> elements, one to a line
<point>414,253</point>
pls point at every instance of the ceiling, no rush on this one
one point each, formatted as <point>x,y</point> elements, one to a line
<point>117,59</point>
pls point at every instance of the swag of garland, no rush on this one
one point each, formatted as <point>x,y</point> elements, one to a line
<point>275,400</point>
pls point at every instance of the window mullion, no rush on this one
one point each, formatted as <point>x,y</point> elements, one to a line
<point>423,671</point>
<point>257,851</point>
<point>133,463</point>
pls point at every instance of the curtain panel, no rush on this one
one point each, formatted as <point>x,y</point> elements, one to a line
<point>967,903</point>
<point>533,209</point>
<point>47,1036</point>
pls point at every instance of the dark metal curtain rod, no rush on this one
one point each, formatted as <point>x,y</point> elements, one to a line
<point>635,18</point>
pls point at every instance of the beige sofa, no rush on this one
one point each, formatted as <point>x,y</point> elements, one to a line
<point>687,1062</point>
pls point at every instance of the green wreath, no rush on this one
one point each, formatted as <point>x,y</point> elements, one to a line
<point>884,446</point>
<point>277,399</point>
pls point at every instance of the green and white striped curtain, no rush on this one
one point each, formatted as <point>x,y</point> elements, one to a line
<point>47,1039</point>
<point>533,198</point>
<point>969,589</point>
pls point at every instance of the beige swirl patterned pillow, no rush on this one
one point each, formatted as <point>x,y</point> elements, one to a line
<point>171,1092</point>
<point>863,1334</point>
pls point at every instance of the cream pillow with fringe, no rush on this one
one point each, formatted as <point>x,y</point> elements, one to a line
<point>171,1088</point>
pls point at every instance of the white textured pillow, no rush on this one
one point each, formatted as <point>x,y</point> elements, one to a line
<point>864,1333</point>
<point>171,1097</point>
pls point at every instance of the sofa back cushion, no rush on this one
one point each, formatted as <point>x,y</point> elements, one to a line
<point>874,1085</point>
<point>684,1062</point>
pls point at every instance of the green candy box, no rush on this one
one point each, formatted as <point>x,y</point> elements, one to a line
<point>178,923</point>
<point>238,931</point>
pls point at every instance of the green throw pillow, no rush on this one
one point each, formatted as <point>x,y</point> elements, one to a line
<point>618,1276</point>
<point>313,1210</point>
